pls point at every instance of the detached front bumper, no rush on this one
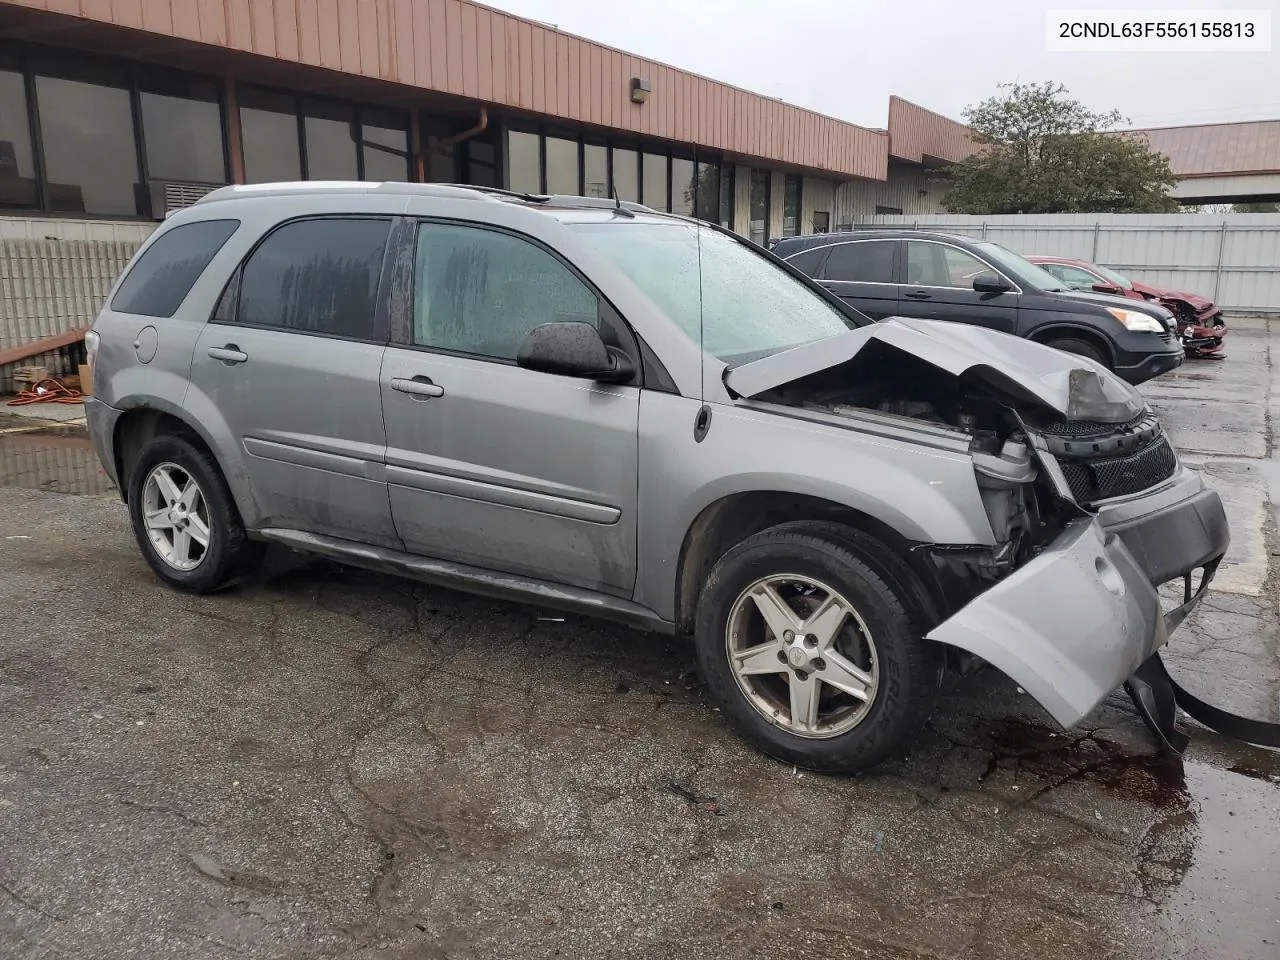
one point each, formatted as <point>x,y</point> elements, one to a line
<point>1079,619</point>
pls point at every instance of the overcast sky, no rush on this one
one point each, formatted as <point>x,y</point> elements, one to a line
<point>844,57</point>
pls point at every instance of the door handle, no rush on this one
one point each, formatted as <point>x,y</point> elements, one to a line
<point>229,354</point>
<point>918,295</point>
<point>420,387</point>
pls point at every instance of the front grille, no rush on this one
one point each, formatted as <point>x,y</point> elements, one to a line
<point>1086,429</point>
<point>1167,336</point>
<point>1101,479</point>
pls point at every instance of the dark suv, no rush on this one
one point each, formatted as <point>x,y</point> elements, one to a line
<point>936,276</point>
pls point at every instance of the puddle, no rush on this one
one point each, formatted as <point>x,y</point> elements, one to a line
<point>1228,902</point>
<point>55,458</point>
<point>1211,859</point>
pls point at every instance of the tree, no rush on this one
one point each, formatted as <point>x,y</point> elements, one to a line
<point>1255,207</point>
<point>1042,152</point>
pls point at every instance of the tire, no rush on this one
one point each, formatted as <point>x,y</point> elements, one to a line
<point>1081,348</point>
<point>882,635</point>
<point>227,556</point>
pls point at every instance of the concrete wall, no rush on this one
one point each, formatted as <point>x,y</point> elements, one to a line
<point>54,277</point>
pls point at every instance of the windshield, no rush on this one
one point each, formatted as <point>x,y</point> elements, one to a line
<point>746,305</point>
<point>1026,273</point>
<point>1118,279</point>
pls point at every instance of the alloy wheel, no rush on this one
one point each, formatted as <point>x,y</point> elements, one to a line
<point>176,516</point>
<point>802,655</point>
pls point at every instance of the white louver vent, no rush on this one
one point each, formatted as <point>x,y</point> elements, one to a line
<point>170,195</point>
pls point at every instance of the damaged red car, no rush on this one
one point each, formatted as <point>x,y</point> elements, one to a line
<point>1200,322</point>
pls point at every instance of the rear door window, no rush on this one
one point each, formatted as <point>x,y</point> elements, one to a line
<point>168,269</point>
<point>864,261</point>
<point>316,276</point>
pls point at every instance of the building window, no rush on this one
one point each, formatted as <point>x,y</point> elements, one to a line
<point>758,230</point>
<point>654,183</point>
<point>727,198</point>
<point>595,170</point>
<point>269,134</point>
<point>384,144</point>
<point>17,169</point>
<point>707,193</point>
<point>288,138</point>
<point>87,133</point>
<point>791,206</point>
<point>562,165</point>
<point>821,221</point>
<point>182,127</point>
<point>626,174</point>
<point>684,189</point>
<point>524,162</point>
<point>329,130</point>
<point>480,156</point>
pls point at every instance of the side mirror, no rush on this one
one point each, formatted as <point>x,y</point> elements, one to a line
<point>1108,288</point>
<point>573,349</point>
<point>991,283</point>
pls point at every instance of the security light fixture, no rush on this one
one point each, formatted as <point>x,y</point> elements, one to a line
<point>640,90</point>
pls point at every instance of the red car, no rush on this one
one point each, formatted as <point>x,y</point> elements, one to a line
<point>1200,322</point>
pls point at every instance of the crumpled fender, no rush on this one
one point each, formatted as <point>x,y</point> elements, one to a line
<point>1070,626</point>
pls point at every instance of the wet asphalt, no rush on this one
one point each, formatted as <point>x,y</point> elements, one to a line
<point>327,763</point>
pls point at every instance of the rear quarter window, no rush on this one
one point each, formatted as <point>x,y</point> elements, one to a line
<point>160,280</point>
<point>807,261</point>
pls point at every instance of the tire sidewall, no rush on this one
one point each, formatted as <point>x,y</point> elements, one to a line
<point>1080,348</point>
<point>908,671</point>
<point>216,566</point>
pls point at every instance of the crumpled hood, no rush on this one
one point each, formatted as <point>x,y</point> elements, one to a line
<point>1198,303</point>
<point>1076,388</point>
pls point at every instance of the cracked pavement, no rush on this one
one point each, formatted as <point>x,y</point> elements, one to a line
<point>328,763</point>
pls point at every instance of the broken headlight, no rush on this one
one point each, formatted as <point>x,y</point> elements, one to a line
<point>1094,393</point>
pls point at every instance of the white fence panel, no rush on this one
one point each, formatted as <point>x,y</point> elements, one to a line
<point>1233,258</point>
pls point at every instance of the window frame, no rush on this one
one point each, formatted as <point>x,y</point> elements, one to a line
<point>796,180</point>
<point>608,319</point>
<point>233,288</point>
<point>768,205</point>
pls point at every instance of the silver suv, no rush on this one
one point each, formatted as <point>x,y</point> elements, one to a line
<point>596,407</point>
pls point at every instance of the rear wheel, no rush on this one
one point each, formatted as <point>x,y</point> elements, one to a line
<point>184,519</point>
<point>1081,348</point>
<point>814,650</point>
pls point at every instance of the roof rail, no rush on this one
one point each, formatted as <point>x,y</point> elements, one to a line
<point>461,191</point>
<point>455,190</point>
<point>597,203</point>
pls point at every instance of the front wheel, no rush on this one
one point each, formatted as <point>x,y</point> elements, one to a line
<point>814,649</point>
<point>184,518</point>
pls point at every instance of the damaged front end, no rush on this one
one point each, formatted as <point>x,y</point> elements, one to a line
<point>1090,510</point>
